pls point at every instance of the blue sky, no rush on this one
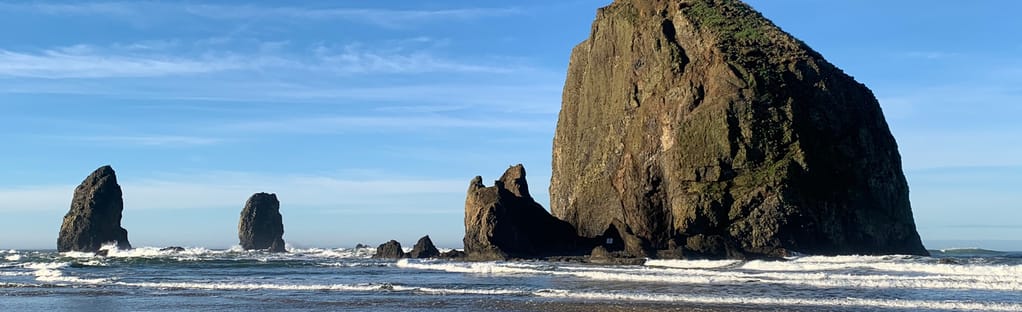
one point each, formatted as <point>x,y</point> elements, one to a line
<point>368,119</point>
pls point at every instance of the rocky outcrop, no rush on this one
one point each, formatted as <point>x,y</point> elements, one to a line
<point>261,226</point>
<point>390,250</point>
<point>424,248</point>
<point>503,221</point>
<point>700,124</point>
<point>95,215</point>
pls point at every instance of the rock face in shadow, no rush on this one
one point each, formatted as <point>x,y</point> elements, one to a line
<point>700,124</point>
<point>390,250</point>
<point>424,248</point>
<point>261,226</point>
<point>503,221</point>
<point>95,215</point>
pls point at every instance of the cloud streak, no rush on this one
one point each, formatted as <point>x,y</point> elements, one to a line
<point>392,18</point>
<point>82,62</point>
<point>230,189</point>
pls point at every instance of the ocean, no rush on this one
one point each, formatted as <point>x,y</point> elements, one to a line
<point>199,279</point>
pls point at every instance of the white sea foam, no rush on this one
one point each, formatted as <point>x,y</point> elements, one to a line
<point>807,277</point>
<point>460,291</point>
<point>258,286</point>
<point>50,272</point>
<point>14,257</point>
<point>692,264</point>
<point>774,301</point>
<point>470,267</point>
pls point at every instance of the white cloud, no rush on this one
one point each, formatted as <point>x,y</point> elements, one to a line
<point>85,62</point>
<point>354,59</point>
<point>230,190</point>
<point>337,124</point>
<point>147,140</point>
<point>379,17</point>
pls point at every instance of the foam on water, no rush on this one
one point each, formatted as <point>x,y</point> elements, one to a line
<point>14,257</point>
<point>806,276</point>
<point>470,267</point>
<point>692,264</point>
<point>257,286</point>
<point>50,272</point>
<point>773,301</point>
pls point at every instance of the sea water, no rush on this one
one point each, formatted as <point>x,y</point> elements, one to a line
<point>199,279</point>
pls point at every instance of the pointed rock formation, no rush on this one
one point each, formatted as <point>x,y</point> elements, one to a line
<point>390,250</point>
<point>95,215</point>
<point>424,248</point>
<point>700,123</point>
<point>503,221</point>
<point>261,226</point>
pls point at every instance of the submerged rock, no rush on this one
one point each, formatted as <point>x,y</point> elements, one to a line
<point>700,123</point>
<point>390,250</point>
<point>172,249</point>
<point>503,221</point>
<point>453,254</point>
<point>261,226</point>
<point>95,215</point>
<point>424,248</point>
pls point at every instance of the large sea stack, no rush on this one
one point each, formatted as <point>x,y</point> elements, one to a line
<point>95,215</point>
<point>261,226</point>
<point>699,123</point>
<point>503,221</point>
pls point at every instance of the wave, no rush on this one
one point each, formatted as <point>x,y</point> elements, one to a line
<point>773,301</point>
<point>781,273</point>
<point>967,251</point>
<point>692,264</point>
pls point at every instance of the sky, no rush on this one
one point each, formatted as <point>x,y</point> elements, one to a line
<point>368,119</point>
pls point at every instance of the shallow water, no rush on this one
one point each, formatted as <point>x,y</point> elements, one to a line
<point>200,279</point>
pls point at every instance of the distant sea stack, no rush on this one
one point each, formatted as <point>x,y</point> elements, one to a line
<point>503,221</point>
<point>390,250</point>
<point>95,215</point>
<point>699,123</point>
<point>261,226</point>
<point>424,248</point>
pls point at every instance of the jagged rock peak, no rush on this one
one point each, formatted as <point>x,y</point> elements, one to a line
<point>504,221</point>
<point>390,250</point>
<point>94,218</point>
<point>513,180</point>
<point>700,123</point>
<point>424,248</point>
<point>261,226</point>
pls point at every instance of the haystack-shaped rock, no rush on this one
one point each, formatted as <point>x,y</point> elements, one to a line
<point>390,250</point>
<point>700,123</point>
<point>95,215</point>
<point>261,226</point>
<point>504,221</point>
<point>424,248</point>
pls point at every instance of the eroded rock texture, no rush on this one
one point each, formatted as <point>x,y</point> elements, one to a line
<point>95,215</point>
<point>424,248</point>
<point>700,123</point>
<point>503,221</point>
<point>261,226</point>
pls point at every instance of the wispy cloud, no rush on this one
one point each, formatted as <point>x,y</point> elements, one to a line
<point>230,189</point>
<point>379,17</point>
<point>83,62</point>
<point>930,55</point>
<point>159,59</point>
<point>355,59</point>
<point>382,17</point>
<point>147,140</point>
<point>336,124</point>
